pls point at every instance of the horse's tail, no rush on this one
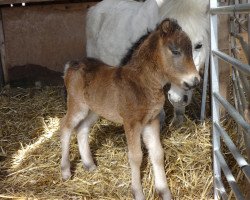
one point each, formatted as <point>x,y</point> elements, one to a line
<point>74,75</point>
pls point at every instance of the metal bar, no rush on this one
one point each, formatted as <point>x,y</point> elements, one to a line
<point>232,112</point>
<point>233,149</point>
<point>240,8</point>
<point>215,87</point>
<point>239,119</point>
<point>248,30</point>
<point>237,92</point>
<point>239,128</point>
<point>218,159</point>
<point>241,91</point>
<point>204,91</point>
<point>229,176</point>
<point>243,44</point>
<point>245,84</point>
<point>246,170</point>
<point>221,189</point>
<point>237,101</point>
<point>236,63</point>
<point>246,87</point>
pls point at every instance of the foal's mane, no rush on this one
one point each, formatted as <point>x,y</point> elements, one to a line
<point>169,30</point>
<point>133,48</point>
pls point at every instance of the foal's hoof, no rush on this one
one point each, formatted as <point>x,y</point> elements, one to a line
<point>138,195</point>
<point>66,174</point>
<point>165,194</point>
<point>90,167</point>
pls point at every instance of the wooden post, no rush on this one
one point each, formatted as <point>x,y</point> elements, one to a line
<point>2,51</point>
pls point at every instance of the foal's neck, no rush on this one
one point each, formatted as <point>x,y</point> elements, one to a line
<point>148,62</point>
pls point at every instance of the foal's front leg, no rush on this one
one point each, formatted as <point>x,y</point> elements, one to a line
<point>133,135</point>
<point>151,138</point>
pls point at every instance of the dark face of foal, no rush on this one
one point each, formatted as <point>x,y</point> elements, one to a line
<point>178,52</point>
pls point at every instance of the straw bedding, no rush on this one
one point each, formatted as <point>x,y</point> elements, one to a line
<point>30,154</point>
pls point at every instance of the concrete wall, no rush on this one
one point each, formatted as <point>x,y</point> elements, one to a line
<point>45,35</point>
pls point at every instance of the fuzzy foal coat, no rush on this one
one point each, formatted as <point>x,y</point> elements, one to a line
<point>132,95</point>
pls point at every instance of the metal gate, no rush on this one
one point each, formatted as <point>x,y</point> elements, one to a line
<point>220,136</point>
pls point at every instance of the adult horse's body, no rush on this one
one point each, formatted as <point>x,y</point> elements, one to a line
<point>132,95</point>
<point>113,26</point>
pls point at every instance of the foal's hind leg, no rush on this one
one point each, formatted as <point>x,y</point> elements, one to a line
<point>151,138</point>
<point>73,117</point>
<point>82,138</point>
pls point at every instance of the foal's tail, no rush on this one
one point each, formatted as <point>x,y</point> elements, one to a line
<point>73,75</point>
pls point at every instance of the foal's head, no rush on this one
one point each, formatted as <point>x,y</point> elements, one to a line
<point>177,55</point>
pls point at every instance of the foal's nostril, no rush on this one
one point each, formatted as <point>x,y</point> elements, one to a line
<point>186,85</point>
<point>185,98</point>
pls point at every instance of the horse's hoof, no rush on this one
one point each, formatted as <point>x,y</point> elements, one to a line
<point>165,194</point>
<point>66,174</point>
<point>176,123</point>
<point>138,195</point>
<point>90,167</point>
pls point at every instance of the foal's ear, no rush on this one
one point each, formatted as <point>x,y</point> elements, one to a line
<point>169,26</point>
<point>165,25</point>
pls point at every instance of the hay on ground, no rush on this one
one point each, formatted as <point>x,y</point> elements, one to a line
<point>30,154</point>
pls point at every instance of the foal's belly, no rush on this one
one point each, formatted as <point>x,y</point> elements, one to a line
<point>113,118</point>
<point>104,102</point>
<point>108,113</point>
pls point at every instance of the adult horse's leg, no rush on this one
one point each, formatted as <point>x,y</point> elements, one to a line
<point>162,119</point>
<point>72,118</point>
<point>179,99</point>
<point>151,138</point>
<point>83,143</point>
<point>133,135</point>
<point>178,118</point>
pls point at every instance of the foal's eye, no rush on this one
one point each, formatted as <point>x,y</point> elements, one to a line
<point>174,49</point>
<point>198,46</point>
<point>176,52</point>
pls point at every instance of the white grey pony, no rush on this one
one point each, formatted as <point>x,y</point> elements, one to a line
<point>113,26</point>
